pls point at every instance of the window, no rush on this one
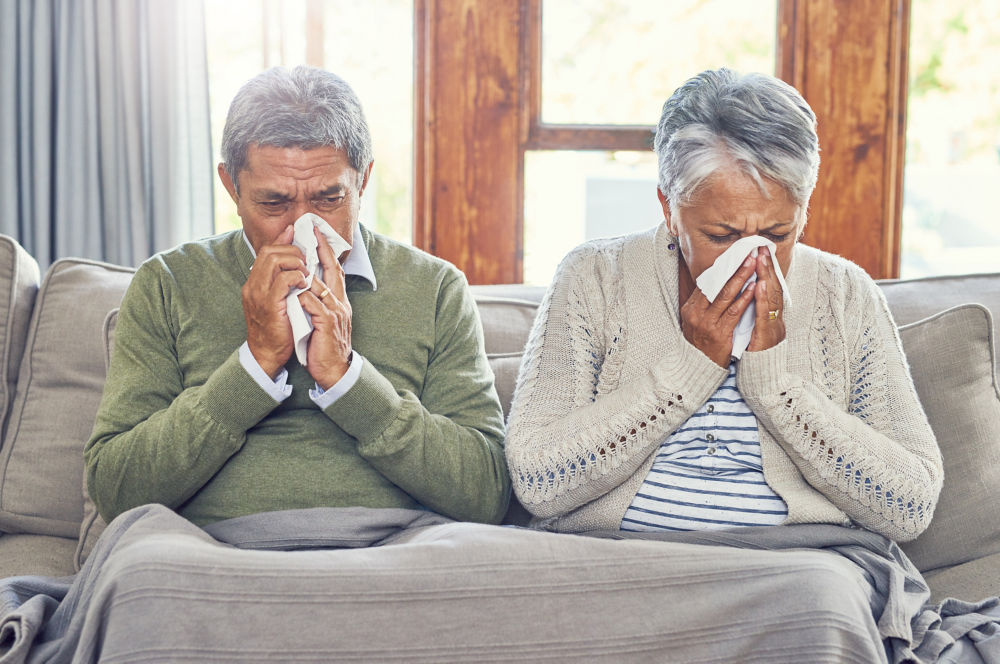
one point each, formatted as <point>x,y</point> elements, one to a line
<point>952,179</point>
<point>490,131</point>
<point>369,44</point>
<point>604,69</point>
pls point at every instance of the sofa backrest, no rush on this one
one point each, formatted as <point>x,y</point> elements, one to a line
<point>58,390</point>
<point>911,300</point>
<point>60,378</point>
<point>18,287</point>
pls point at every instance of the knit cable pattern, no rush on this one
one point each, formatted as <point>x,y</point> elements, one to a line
<point>856,456</point>
<point>607,376</point>
<point>564,452</point>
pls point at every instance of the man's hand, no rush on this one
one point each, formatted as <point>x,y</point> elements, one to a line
<point>769,300</point>
<point>279,267</point>
<point>709,326</point>
<point>330,344</point>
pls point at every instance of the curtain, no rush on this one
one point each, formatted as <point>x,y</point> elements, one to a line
<point>105,142</point>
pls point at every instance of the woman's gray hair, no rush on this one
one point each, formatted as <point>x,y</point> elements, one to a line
<point>302,108</point>
<point>719,117</point>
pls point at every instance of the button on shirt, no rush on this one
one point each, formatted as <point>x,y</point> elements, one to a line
<point>708,474</point>
<point>359,264</point>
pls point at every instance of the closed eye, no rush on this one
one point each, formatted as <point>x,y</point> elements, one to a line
<point>722,239</point>
<point>328,201</point>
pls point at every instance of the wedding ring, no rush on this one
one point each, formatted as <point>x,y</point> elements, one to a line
<point>772,315</point>
<point>326,291</point>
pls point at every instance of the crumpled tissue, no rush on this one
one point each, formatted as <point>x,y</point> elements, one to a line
<point>725,266</point>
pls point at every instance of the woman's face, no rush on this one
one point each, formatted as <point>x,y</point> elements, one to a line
<point>728,206</point>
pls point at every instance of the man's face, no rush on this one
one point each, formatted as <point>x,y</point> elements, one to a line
<point>279,185</point>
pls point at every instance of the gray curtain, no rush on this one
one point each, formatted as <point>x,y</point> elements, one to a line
<point>105,143</point>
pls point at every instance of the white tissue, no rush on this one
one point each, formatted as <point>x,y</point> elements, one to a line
<point>725,266</point>
<point>307,243</point>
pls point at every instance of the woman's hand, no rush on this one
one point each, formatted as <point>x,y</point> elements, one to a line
<point>769,301</point>
<point>708,326</point>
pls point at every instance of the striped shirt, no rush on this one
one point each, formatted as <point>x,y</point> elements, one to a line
<point>707,474</point>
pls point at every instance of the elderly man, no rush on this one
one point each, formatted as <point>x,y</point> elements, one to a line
<point>208,410</point>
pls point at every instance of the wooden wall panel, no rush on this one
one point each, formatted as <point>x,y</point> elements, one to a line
<point>469,189</point>
<point>849,61</point>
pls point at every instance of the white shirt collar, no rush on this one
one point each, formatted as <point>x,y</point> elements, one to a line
<point>358,262</point>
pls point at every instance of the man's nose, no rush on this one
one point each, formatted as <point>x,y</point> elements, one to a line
<point>297,209</point>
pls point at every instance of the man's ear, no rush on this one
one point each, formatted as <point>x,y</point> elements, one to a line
<point>665,204</point>
<point>364,179</point>
<point>227,182</point>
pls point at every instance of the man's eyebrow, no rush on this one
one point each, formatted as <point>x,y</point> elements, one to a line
<point>270,195</point>
<point>332,190</point>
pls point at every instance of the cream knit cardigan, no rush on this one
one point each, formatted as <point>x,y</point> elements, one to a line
<point>607,375</point>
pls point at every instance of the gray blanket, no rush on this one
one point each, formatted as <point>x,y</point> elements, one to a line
<point>399,585</point>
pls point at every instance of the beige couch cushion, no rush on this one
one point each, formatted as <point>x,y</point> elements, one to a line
<point>914,299</point>
<point>971,581</point>
<point>506,320</point>
<point>58,390</point>
<point>93,523</point>
<point>951,360</point>
<point>18,287</point>
<point>507,312</point>
<point>36,554</point>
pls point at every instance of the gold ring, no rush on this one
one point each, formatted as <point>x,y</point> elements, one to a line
<point>326,291</point>
<point>772,315</point>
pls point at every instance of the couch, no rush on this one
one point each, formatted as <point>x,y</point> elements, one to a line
<point>56,333</point>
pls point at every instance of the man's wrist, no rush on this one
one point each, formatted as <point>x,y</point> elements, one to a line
<point>326,397</point>
<point>330,381</point>
<point>277,387</point>
<point>266,361</point>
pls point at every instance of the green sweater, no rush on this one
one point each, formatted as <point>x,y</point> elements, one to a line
<point>182,423</point>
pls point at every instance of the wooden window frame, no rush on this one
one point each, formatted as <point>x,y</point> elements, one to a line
<point>539,135</point>
<point>478,109</point>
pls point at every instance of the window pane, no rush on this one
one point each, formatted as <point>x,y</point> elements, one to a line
<point>570,197</point>
<point>952,179</point>
<point>617,61</point>
<point>374,55</point>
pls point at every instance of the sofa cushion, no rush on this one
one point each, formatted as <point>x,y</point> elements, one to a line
<point>58,390</point>
<point>506,321</point>
<point>18,287</point>
<point>911,300</point>
<point>505,367</point>
<point>93,523</point>
<point>971,581</point>
<point>36,554</point>
<point>951,360</point>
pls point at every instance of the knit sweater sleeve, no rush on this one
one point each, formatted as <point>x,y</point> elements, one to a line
<point>575,432</point>
<point>878,460</point>
<point>156,440</point>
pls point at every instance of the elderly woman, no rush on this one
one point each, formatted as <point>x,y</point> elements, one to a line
<point>636,410</point>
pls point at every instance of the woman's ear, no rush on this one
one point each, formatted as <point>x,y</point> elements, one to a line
<point>665,204</point>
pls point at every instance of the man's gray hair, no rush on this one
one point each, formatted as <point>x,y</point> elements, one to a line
<point>302,108</point>
<point>720,117</point>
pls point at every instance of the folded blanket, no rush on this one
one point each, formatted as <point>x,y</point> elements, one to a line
<point>356,584</point>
